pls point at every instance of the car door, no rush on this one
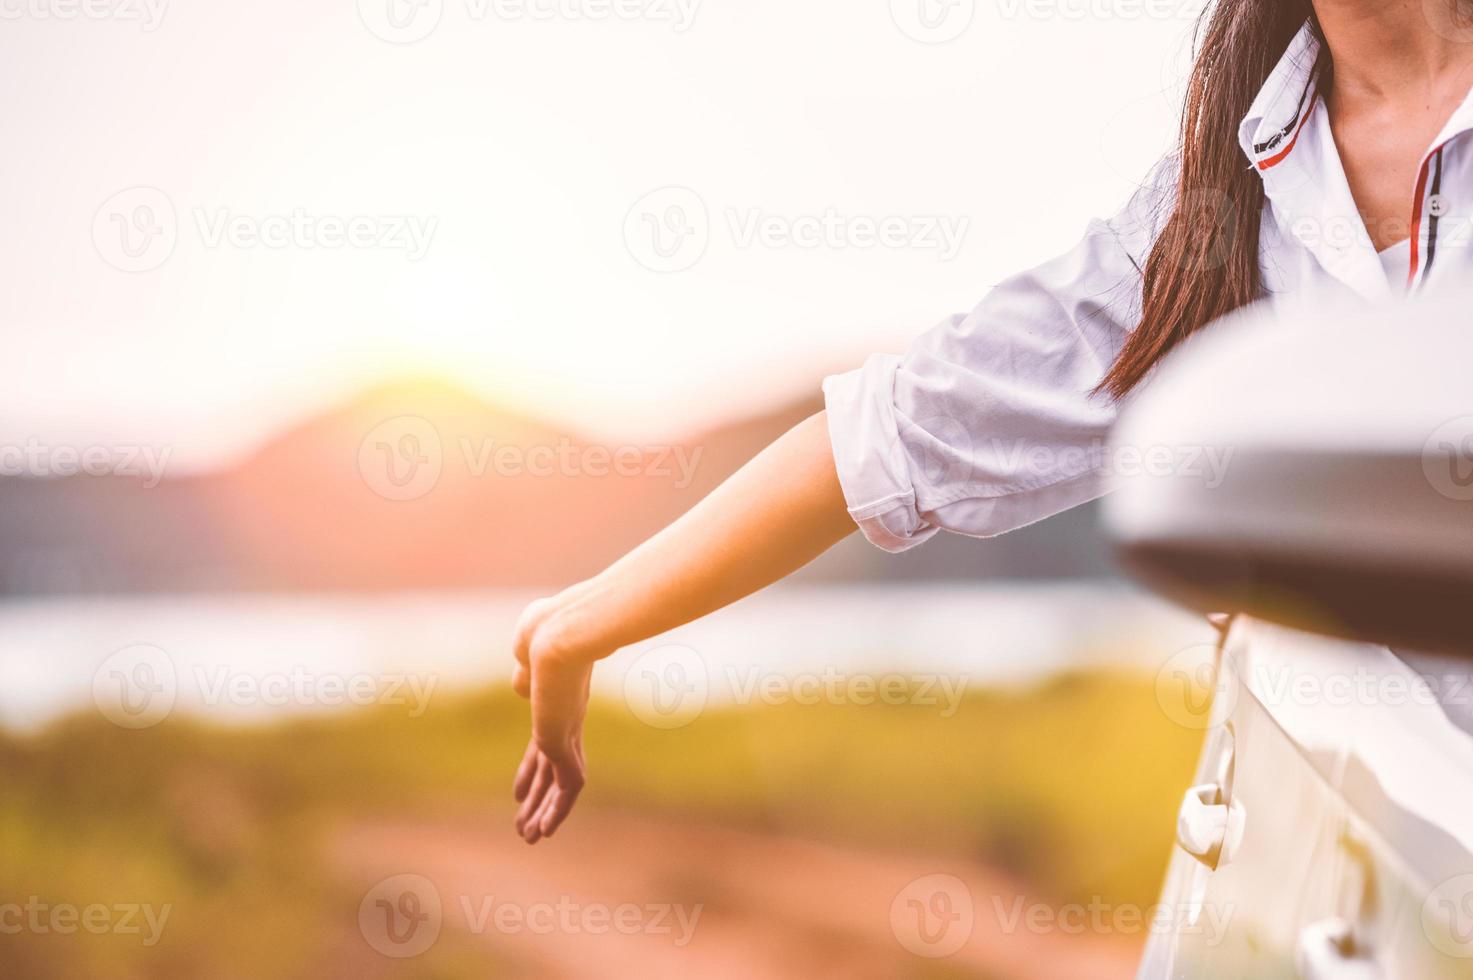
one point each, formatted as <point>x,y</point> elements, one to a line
<point>1292,860</point>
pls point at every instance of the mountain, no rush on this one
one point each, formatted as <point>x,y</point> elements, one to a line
<point>420,485</point>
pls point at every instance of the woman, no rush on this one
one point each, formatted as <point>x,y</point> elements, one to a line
<point>1323,153</point>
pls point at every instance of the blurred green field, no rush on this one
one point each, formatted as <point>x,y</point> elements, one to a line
<point>1071,785</point>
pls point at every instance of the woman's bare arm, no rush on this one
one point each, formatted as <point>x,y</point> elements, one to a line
<point>772,517</point>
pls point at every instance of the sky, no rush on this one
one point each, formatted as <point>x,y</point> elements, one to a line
<point>634,218</point>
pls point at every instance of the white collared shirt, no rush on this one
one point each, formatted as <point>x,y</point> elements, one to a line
<point>987,424</point>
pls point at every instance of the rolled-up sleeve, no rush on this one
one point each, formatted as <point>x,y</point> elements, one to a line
<point>989,422</point>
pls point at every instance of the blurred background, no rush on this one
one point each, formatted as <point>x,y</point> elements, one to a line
<point>339,332</point>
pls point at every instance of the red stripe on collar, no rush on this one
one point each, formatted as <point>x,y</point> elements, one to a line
<point>1416,236</point>
<point>1279,157</point>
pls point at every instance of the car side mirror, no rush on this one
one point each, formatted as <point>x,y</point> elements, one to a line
<point>1312,468</point>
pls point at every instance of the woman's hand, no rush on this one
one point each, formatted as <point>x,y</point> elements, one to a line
<point>555,677</point>
<point>776,514</point>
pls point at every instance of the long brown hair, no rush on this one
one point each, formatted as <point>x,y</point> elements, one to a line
<point>1204,263</point>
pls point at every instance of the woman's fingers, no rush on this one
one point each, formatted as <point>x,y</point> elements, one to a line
<point>525,772</point>
<point>532,801</point>
<point>521,646</point>
<point>554,787</point>
<point>557,803</point>
<point>532,833</point>
<point>551,774</point>
<point>540,783</point>
<point>548,786</point>
<point>568,784</point>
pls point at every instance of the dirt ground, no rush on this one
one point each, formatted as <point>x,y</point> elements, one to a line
<point>769,906</point>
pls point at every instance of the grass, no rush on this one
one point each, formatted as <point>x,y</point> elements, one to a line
<point>1072,785</point>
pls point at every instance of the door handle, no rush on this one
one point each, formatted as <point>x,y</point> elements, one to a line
<point>1209,827</point>
<point>1327,950</point>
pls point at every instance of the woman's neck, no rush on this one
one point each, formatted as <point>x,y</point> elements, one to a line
<point>1398,50</point>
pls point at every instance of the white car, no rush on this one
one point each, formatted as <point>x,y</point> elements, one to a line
<point>1331,827</point>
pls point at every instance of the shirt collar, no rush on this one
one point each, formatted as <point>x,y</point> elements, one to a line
<point>1286,101</point>
<point>1270,129</point>
<point>1286,136</point>
<point>1460,122</point>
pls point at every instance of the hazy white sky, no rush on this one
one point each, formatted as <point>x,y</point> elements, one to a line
<point>322,207</point>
